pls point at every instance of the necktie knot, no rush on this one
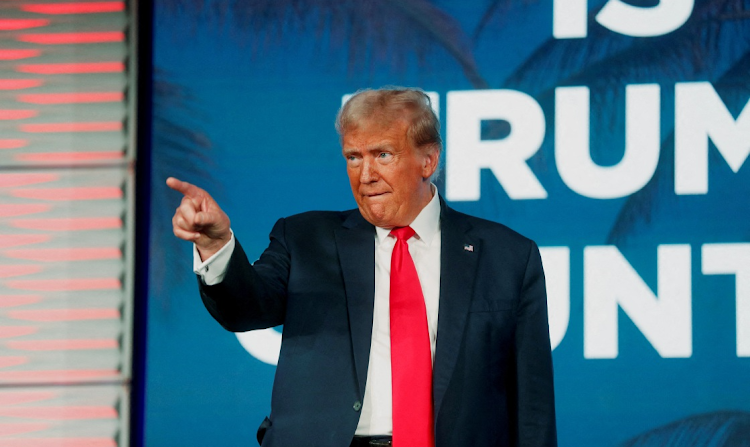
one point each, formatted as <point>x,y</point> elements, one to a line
<point>403,233</point>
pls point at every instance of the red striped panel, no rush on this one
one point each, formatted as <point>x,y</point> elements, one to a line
<point>70,157</point>
<point>55,416</point>
<point>72,68</point>
<point>22,209</point>
<point>96,126</point>
<point>13,180</point>
<point>64,254</point>
<point>49,315</point>
<point>18,300</point>
<point>19,84</point>
<point>11,114</point>
<point>12,270</point>
<point>25,397</point>
<point>69,224</point>
<point>14,55</point>
<point>20,428</point>
<point>60,345</point>
<point>15,331</point>
<point>6,362</point>
<point>69,98</point>
<point>59,442</point>
<point>13,143</point>
<point>62,413</point>
<point>15,240</point>
<point>57,376</point>
<point>75,8</point>
<point>64,285</point>
<point>67,194</point>
<point>16,24</point>
<point>73,38</point>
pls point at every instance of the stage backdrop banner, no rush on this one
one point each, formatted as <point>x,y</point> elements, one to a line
<point>616,135</point>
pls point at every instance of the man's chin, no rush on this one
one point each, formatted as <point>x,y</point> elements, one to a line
<point>377,217</point>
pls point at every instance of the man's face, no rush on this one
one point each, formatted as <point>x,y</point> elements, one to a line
<point>388,175</point>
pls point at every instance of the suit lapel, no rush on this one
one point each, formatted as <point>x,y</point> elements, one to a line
<point>458,260</point>
<point>355,241</point>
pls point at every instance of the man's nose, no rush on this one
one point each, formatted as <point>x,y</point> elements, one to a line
<point>369,172</point>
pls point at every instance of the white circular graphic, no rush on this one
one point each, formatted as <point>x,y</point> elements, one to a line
<point>264,344</point>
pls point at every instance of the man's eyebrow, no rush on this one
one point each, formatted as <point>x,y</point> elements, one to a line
<point>377,147</point>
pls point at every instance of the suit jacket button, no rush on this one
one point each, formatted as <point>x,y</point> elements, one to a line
<point>357,406</point>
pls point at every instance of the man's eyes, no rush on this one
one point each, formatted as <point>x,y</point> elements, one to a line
<point>356,157</point>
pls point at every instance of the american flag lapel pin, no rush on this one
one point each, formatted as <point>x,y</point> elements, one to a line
<point>469,247</point>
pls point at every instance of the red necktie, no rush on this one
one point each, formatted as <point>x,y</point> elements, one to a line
<point>411,361</point>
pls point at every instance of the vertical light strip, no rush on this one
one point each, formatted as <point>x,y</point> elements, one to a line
<point>66,221</point>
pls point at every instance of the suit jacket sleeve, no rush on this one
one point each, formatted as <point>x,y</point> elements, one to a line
<point>536,402</point>
<point>252,296</point>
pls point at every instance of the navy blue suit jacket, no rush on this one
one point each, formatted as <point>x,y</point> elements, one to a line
<point>492,372</point>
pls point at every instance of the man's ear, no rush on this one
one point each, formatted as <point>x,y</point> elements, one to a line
<point>430,160</point>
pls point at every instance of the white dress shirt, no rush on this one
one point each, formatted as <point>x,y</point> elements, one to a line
<point>213,269</point>
<point>424,248</point>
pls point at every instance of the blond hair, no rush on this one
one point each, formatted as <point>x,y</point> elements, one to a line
<point>390,104</point>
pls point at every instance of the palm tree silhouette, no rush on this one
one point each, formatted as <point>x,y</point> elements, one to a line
<point>713,45</point>
<point>183,152</point>
<point>718,429</point>
<point>372,33</point>
<point>657,196</point>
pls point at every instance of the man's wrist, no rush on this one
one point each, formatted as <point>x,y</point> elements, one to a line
<point>213,268</point>
<point>212,248</point>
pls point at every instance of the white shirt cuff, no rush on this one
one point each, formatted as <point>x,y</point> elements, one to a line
<point>213,269</point>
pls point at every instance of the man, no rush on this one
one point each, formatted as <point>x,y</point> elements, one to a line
<point>402,317</point>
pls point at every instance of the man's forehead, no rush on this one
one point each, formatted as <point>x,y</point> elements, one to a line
<point>378,126</point>
<point>375,135</point>
<point>359,141</point>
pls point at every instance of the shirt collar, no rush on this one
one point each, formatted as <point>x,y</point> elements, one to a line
<point>426,225</point>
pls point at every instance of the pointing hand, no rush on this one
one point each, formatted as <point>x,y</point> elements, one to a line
<point>199,219</point>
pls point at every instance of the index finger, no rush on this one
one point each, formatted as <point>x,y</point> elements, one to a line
<point>185,188</point>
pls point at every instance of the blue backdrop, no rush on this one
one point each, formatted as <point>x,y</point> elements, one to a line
<point>615,135</point>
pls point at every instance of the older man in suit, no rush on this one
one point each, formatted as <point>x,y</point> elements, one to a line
<point>406,323</point>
